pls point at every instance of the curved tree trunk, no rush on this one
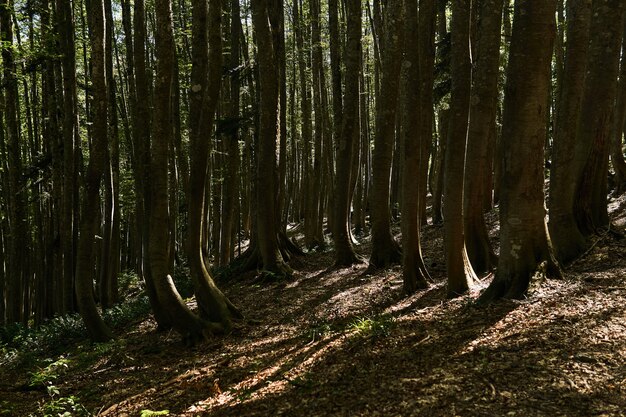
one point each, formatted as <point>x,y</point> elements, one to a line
<point>458,267</point>
<point>414,270</point>
<point>142,161</point>
<point>481,126</point>
<point>592,156</point>
<point>183,320</point>
<point>385,250</point>
<point>524,243</point>
<point>344,255</point>
<point>205,87</point>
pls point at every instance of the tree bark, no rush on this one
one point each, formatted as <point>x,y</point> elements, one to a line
<point>350,132</point>
<point>567,240</point>
<point>525,248</point>
<point>483,107</point>
<point>414,271</point>
<point>385,250</point>
<point>592,153</point>
<point>459,270</point>
<point>89,222</point>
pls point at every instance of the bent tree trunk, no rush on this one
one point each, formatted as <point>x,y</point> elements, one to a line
<point>524,243</point>
<point>205,87</point>
<point>183,319</point>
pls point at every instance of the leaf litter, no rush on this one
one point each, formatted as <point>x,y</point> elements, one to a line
<point>347,342</point>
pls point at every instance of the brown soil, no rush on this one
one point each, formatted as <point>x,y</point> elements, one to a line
<point>347,342</point>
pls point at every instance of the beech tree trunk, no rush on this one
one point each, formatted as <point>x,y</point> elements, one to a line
<point>385,249</point>
<point>413,268</point>
<point>617,128</point>
<point>525,248</point>
<point>89,223</point>
<point>268,137</point>
<point>483,107</point>
<point>350,132</point>
<point>566,238</point>
<point>592,154</point>
<point>458,267</point>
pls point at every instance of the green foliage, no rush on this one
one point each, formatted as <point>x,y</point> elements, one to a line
<point>182,280</point>
<point>150,413</point>
<point>45,376</point>
<point>6,408</point>
<point>372,327</point>
<point>122,314</point>
<point>64,407</point>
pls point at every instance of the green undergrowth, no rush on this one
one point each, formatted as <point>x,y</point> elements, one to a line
<point>20,345</point>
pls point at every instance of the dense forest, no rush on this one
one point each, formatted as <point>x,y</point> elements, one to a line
<point>222,170</point>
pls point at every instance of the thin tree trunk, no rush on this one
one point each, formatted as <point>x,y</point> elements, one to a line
<point>414,271</point>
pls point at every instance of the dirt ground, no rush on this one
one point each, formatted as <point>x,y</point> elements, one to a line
<point>347,342</point>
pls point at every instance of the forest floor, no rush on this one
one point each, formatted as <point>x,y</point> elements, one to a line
<point>348,342</point>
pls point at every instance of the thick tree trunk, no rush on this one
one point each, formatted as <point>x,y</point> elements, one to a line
<point>482,125</point>
<point>350,132</point>
<point>592,153</point>
<point>385,250</point>
<point>459,270</point>
<point>567,240</point>
<point>525,248</point>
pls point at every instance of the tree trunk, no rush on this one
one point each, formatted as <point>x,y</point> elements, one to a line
<point>350,132</point>
<point>617,128</point>
<point>481,126</point>
<point>385,250</point>
<point>268,134</point>
<point>460,272</point>
<point>524,243</point>
<point>89,224</point>
<point>567,240</point>
<point>592,154</point>
<point>205,87</point>
<point>414,271</point>
<point>426,39</point>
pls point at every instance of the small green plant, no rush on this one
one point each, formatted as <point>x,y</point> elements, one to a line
<point>150,413</point>
<point>45,376</point>
<point>372,327</point>
<point>64,407</point>
<point>319,331</point>
<point>6,408</point>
